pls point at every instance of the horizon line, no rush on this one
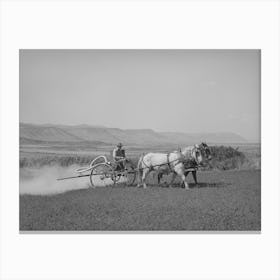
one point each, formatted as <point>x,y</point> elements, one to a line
<point>154,130</point>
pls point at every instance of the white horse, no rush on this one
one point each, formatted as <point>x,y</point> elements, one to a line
<point>172,162</point>
<point>191,164</point>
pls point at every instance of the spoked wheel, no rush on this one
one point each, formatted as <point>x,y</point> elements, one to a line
<point>102,175</point>
<point>130,175</point>
<point>126,177</point>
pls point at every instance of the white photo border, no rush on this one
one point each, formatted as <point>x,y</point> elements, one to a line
<point>139,25</point>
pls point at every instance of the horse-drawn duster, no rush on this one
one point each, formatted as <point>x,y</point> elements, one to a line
<point>103,172</point>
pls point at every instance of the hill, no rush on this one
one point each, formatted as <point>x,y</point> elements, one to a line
<point>31,133</point>
<point>46,133</point>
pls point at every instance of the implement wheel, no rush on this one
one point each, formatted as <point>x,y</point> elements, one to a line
<point>102,175</point>
<point>130,175</point>
<point>127,176</point>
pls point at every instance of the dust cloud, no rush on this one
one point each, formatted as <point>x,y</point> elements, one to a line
<point>43,181</point>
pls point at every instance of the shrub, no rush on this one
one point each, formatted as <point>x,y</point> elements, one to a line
<point>225,158</point>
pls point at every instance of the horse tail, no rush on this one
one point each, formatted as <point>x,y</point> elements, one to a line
<point>139,165</point>
<point>140,169</point>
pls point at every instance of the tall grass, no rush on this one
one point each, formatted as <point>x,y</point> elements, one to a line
<point>223,158</point>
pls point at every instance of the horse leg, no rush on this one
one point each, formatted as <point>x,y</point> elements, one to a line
<point>184,179</point>
<point>140,171</point>
<point>186,174</point>
<point>180,170</point>
<point>172,179</point>
<point>194,176</point>
<point>159,177</point>
<point>145,173</point>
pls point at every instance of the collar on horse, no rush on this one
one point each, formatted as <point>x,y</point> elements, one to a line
<point>193,154</point>
<point>176,161</point>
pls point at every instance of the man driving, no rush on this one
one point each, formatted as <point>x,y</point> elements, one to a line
<point>119,156</point>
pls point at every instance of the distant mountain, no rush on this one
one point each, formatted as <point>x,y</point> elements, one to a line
<point>65,133</point>
<point>46,133</point>
<point>28,141</point>
<point>223,137</point>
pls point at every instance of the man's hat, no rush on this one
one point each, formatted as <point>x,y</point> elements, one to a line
<point>119,145</point>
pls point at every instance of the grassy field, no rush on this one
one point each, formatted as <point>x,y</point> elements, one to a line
<point>223,200</point>
<point>223,157</point>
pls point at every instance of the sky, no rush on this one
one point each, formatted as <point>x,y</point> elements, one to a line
<point>189,91</point>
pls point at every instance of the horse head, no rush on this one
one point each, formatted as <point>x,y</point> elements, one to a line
<point>192,154</point>
<point>198,153</point>
<point>205,151</point>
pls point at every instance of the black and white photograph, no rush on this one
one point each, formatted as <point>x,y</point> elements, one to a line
<point>139,140</point>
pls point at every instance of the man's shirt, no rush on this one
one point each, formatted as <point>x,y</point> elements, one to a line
<point>118,153</point>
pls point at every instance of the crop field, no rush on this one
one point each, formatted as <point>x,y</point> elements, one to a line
<point>223,200</point>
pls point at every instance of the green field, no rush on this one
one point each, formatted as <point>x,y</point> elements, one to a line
<point>223,200</point>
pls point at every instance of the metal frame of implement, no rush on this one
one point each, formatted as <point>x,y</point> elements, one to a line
<point>93,165</point>
<point>114,175</point>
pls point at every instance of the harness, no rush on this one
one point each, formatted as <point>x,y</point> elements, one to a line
<point>183,159</point>
<point>194,157</point>
<point>168,163</point>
